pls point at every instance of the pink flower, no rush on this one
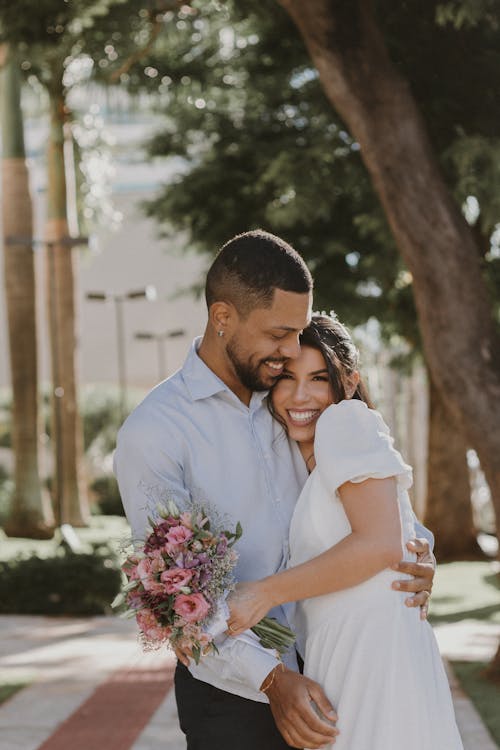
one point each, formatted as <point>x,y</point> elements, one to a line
<point>157,561</point>
<point>186,520</point>
<point>178,535</point>
<point>175,579</point>
<point>146,572</point>
<point>143,568</point>
<point>191,607</point>
<point>150,626</point>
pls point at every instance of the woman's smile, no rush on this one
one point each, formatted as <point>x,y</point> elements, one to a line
<point>302,417</point>
<point>301,394</point>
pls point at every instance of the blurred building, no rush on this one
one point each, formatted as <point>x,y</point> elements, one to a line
<point>125,254</point>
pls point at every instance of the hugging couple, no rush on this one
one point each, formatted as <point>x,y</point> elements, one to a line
<point>269,422</point>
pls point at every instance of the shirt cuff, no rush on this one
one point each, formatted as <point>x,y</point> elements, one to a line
<point>258,665</point>
<point>238,663</point>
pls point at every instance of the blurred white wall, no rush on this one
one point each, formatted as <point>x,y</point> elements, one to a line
<point>122,259</point>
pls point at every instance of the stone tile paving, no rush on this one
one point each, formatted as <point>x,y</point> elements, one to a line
<point>69,661</point>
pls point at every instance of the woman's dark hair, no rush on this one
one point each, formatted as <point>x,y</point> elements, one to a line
<point>326,334</point>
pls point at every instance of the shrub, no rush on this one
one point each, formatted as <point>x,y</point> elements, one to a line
<point>6,490</point>
<point>107,496</point>
<point>99,408</point>
<point>66,584</point>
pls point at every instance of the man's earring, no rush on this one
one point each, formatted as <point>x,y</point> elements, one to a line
<point>220,333</point>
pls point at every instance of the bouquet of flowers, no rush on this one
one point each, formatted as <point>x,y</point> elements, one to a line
<point>177,584</point>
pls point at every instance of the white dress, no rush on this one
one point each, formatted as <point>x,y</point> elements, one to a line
<point>378,663</point>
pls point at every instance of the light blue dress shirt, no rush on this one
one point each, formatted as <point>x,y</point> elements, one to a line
<point>193,437</point>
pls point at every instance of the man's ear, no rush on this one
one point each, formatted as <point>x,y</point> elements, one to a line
<point>222,317</point>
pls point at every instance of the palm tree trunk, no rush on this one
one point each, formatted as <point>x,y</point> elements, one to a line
<point>448,510</point>
<point>69,495</point>
<point>30,514</point>
<point>460,339</point>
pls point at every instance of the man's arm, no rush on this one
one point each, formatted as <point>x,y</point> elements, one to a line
<point>149,461</point>
<point>292,697</point>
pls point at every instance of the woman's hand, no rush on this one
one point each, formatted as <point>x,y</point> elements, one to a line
<point>248,604</point>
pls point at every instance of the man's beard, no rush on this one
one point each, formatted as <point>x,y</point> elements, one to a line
<point>248,373</point>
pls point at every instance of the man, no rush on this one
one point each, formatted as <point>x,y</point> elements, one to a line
<point>206,433</point>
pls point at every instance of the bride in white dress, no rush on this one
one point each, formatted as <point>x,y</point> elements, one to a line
<point>375,657</point>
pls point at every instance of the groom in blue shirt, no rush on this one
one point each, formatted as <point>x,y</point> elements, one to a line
<point>206,433</point>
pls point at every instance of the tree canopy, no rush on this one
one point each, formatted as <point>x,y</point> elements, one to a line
<point>263,147</point>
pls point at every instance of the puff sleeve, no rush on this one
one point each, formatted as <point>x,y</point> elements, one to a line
<point>353,443</point>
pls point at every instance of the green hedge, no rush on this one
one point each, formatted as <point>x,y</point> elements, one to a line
<point>66,584</point>
<point>6,490</point>
<point>107,496</point>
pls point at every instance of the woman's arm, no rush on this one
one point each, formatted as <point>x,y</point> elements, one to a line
<point>374,544</point>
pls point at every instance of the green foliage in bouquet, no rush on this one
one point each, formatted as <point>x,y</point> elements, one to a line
<point>66,584</point>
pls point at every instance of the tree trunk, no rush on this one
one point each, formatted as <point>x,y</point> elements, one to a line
<point>461,344</point>
<point>69,496</point>
<point>449,511</point>
<point>30,514</point>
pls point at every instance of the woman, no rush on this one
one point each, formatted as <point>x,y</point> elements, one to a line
<point>376,659</point>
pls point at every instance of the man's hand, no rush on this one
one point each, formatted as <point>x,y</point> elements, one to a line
<point>423,576</point>
<point>290,695</point>
<point>183,656</point>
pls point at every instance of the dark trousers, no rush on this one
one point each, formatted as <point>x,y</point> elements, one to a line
<point>213,719</point>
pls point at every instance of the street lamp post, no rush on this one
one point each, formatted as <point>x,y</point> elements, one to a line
<point>148,293</point>
<point>161,342</point>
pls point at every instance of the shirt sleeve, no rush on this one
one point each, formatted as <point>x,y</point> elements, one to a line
<point>146,458</point>
<point>236,664</point>
<point>423,531</point>
<point>353,443</point>
<point>143,465</point>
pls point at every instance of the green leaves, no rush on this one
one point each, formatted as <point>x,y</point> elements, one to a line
<point>274,635</point>
<point>262,147</point>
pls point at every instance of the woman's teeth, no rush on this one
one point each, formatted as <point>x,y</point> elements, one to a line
<point>303,417</point>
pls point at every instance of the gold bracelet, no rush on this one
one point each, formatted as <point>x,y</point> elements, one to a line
<point>273,675</point>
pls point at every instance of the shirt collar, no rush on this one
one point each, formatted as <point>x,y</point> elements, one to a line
<point>202,382</point>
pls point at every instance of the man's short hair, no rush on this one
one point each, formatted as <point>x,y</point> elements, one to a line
<point>248,269</point>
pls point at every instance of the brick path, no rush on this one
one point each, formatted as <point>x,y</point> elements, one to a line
<point>116,712</point>
<point>85,673</point>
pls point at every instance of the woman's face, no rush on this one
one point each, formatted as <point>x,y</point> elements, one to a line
<point>302,393</point>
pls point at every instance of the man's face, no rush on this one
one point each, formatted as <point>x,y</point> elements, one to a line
<point>261,344</point>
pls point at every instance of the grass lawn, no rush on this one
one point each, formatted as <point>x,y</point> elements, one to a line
<point>112,530</point>
<point>484,695</point>
<point>466,590</point>
<point>471,591</point>
<point>8,689</point>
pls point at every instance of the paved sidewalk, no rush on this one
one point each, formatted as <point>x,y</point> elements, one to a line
<point>84,675</point>
<point>74,666</point>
